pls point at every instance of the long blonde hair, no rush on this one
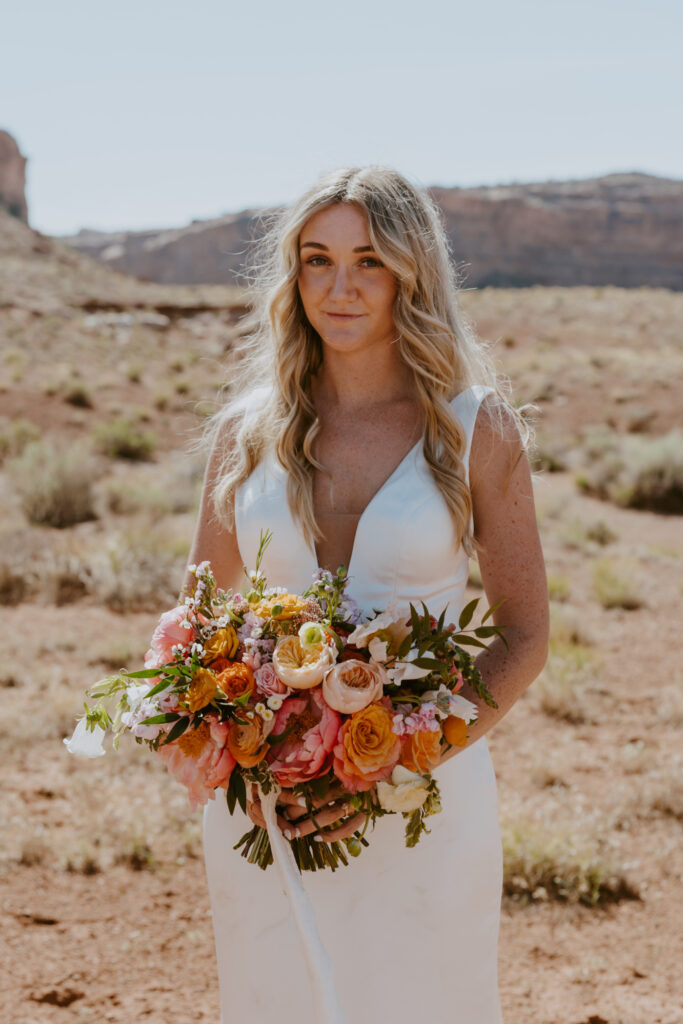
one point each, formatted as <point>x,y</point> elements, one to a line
<point>281,351</point>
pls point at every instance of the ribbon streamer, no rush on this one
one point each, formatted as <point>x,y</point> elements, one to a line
<point>318,962</point>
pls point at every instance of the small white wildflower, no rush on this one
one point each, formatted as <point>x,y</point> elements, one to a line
<point>267,715</point>
<point>193,567</point>
<point>250,714</point>
<point>275,703</point>
<point>260,708</point>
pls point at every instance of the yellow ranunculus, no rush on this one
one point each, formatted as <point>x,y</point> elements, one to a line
<point>201,691</point>
<point>223,643</point>
<point>291,605</point>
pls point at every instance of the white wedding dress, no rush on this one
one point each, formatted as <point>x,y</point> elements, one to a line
<point>412,933</point>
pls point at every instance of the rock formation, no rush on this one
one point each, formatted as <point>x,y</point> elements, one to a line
<point>12,177</point>
<point>622,229</point>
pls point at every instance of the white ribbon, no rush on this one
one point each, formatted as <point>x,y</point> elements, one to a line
<point>318,962</point>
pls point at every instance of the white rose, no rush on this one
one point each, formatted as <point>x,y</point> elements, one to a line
<point>406,792</point>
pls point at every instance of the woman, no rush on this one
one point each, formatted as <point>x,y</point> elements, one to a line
<point>370,432</point>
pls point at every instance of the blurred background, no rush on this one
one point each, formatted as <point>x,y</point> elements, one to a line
<point>139,145</point>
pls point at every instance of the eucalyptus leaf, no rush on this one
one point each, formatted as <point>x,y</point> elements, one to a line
<point>467,613</point>
<point>177,730</point>
<point>168,716</point>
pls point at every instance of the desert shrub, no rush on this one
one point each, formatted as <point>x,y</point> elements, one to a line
<point>135,572</point>
<point>548,455</point>
<point>123,439</point>
<point>616,584</point>
<point>560,863</point>
<point>558,588</point>
<point>636,471</point>
<point>55,486</point>
<point>580,535</point>
<point>15,436</point>
<point>561,689</point>
<point>14,585</point>
<point>78,395</point>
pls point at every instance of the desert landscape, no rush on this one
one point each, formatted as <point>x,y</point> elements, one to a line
<point>104,384</point>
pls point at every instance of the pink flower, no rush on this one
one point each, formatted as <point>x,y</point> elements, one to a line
<point>268,682</point>
<point>459,682</point>
<point>202,763</point>
<point>306,753</point>
<point>168,632</point>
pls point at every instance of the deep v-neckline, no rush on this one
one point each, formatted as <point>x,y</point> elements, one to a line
<point>395,472</point>
<point>397,469</point>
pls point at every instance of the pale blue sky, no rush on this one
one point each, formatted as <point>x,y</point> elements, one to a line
<point>149,113</point>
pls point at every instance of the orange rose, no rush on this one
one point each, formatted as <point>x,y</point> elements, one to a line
<point>420,751</point>
<point>236,679</point>
<point>369,748</point>
<point>247,739</point>
<point>201,691</point>
<point>223,643</point>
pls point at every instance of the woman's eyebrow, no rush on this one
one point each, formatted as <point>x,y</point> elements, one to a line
<point>319,245</point>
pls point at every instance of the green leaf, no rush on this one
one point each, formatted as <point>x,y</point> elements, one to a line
<point>231,795</point>
<point>415,620</point>
<point>467,613</point>
<point>163,685</point>
<point>146,673</point>
<point>177,730</point>
<point>240,790</point>
<point>168,716</point>
<point>493,608</point>
<point>469,641</point>
<point>484,631</point>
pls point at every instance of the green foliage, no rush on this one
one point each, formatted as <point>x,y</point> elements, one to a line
<point>123,439</point>
<point>636,471</point>
<point>616,584</point>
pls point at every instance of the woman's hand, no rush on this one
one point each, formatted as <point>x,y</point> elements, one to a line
<point>294,820</point>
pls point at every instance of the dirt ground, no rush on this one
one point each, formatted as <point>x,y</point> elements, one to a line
<point>103,900</point>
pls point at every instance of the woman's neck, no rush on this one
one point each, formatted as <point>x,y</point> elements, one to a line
<point>352,380</point>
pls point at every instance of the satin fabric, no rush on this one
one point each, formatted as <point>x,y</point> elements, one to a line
<point>412,933</point>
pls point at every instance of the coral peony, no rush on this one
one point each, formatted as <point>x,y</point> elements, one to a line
<point>167,634</point>
<point>201,760</point>
<point>368,748</point>
<point>306,752</point>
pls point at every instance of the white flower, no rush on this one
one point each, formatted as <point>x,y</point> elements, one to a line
<point>461,707</point>
<point>311,634</point>
<point>405,669</point>
<point>406,792</point>
<point>378,649</point>
<point>390,620</point>
<point>86,742</point>
<point>275,703</point>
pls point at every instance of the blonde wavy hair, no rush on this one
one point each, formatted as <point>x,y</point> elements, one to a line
<point>281,352</point>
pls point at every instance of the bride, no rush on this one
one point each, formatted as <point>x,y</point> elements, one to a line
<point>369,430</point>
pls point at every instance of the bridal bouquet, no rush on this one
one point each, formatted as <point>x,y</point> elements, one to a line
<point>297,691</point>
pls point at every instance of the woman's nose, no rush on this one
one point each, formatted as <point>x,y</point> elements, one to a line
<point>342,286</point>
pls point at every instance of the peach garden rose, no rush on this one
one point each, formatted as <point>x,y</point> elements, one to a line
<point>352,684</point>
<point>368,747</point>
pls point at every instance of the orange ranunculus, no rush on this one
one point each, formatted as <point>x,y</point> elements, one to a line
<point>455,731</point>
<point>201,691</point>
<point>368,747</point>
<point>236,679</point>
<point>420,751</point>
<point>247,739</point>
<point>223,644</point>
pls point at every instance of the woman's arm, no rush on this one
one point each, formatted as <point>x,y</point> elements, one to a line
<point>512,567</point>
<point>211,539</point>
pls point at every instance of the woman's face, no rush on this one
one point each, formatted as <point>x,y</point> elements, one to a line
<point>347,292</point>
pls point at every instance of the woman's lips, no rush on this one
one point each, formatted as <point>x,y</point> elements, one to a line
<point>345,316</point>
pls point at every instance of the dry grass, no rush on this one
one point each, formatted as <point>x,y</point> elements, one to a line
<point>616,584</point>
<point>123,439</point>
<point>635,471</point>
<point>55,485</point>
<point>544,862</point>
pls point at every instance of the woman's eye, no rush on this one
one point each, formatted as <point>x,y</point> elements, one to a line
<point>316,261</point>
<point>371,261</point>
